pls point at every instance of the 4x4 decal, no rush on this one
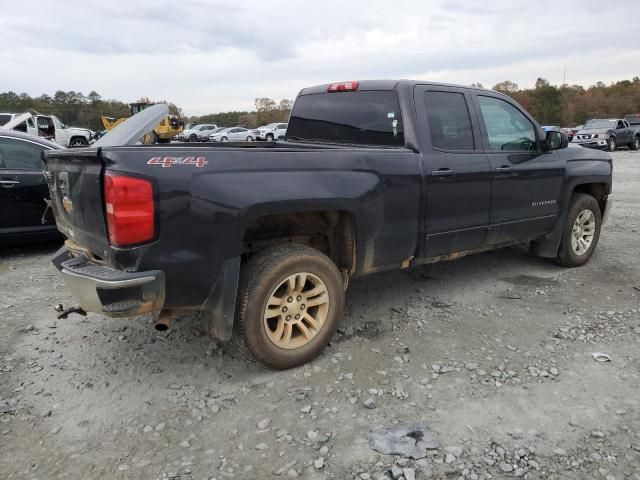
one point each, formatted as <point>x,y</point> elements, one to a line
<point>166,162</point>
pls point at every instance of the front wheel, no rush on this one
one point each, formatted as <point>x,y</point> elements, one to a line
<point>193,138</point>
<point>78,142</point>
<point>224,139</point>
<point>289,304</point>
<point>269,137</point>
<point>611,144</point>
<point>635,145</point>
<point>581,231</point>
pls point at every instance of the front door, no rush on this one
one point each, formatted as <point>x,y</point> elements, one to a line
<point>527,179</point>
<point>23,188</point>
<point>457,172</point>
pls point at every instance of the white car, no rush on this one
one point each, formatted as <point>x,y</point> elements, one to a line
<point>197,133</point>
<point>271,132</point>
<point>50,127</point>
<point>233,134</point>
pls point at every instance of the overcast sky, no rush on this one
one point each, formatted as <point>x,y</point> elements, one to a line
<point>210,56</point>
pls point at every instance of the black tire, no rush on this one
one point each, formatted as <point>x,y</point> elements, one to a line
<point>260,278</point>
<point>269,137</point>
<point>566,254</point>
<point>78,142</point>
<point>635,144</point>
<point>193,138</point>
<point>611,144</point>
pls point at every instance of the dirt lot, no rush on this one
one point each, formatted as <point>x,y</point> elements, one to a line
<point>492,352</point>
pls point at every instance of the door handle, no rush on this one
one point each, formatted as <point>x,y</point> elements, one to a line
<point>8,183</point>
<point>504,169</point>
<point>443,172</point>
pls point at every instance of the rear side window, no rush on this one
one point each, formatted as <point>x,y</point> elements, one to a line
<point>20,155</point>
<point>361,117</point>
<point>449,121</point>
<point>507,127</point>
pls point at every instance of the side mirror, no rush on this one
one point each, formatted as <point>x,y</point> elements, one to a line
<point>556,140</point>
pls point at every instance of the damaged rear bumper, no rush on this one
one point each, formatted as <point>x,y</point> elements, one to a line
<point>110,292</point>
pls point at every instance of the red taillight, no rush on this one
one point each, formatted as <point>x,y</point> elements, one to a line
<point>130,210</point>
<point>343,87</point>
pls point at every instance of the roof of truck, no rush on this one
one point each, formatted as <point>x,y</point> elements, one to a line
<point>385,85</point>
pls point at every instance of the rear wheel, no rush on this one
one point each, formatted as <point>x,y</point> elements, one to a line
<point>611,144</point>
<point>635,145</point>
<point>581,231</point>
<point>289,304</point>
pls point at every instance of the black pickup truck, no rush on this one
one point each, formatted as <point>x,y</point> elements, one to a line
<point>264,237</point>
<point>608,134</point>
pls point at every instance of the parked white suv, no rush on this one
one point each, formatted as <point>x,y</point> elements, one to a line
<point>271,132</point>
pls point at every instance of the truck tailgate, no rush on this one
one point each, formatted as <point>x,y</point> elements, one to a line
<point>75,185</point>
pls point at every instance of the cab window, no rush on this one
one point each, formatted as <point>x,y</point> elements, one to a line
<point>449,121</point>
<point>507,127</point>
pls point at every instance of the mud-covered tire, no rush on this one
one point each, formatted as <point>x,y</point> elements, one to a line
<point>569,253</point>
<point>260,280</point>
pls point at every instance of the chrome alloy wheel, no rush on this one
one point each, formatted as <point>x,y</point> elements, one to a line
<point>583,232</point>
<point>296,311</point>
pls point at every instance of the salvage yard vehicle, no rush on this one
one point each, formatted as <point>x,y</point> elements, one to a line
<point>198,133</point>
<point>51,128</point>
<point>167,128</point>
<point>233,134</point>
<point>264,238</point>
<point>271,132</point>
<point>24,215</point>
<point>608,134</point>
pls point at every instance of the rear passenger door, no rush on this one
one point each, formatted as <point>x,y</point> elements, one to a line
<point>527,179</point>
<point>23,187</point>
<point>457,172</point>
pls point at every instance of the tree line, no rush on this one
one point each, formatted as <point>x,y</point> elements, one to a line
<point>571,105</point>
<point>76,109</point>
<point>266,111</point>
<point>564,105</point>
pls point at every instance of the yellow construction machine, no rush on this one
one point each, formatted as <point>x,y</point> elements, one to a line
<point>169,127</point>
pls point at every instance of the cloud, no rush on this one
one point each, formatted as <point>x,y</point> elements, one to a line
<point>209,56</point>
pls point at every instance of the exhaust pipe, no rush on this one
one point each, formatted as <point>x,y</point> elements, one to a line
<point>163,322</point>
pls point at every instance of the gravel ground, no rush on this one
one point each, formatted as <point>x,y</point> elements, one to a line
<point>489,358</point>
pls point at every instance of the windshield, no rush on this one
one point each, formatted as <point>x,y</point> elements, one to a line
<point>219,129</point>
<point>4,118</point>
<point>271,125</point>
<point>592,124</point>
<point>222,130</point>
<point>360,117</point>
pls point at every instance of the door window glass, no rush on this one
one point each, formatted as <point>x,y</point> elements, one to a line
<point>449,121</point>
<point>20,155</point>
<point>507,127</point>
